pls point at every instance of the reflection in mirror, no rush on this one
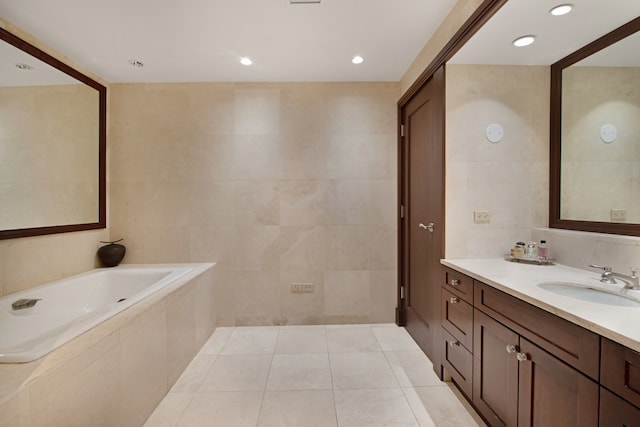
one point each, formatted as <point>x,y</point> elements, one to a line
<point>595,135</point>
<point>600,124</point>
<point>51,144</point>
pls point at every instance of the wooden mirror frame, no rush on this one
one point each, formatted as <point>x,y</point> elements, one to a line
<point>556,137</point>
<point>102,143</point>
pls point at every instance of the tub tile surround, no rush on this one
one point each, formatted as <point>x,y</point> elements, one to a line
<point>298,376</point>
<point>118,371</point>
<point>278,183</point>
<point>33,261</point>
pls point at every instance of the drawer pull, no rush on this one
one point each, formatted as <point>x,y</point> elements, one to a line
<point>522,357</point>
<point>454,300</point>
<point>455,282</point>
<point>511,348</point>
<point>454,343</point>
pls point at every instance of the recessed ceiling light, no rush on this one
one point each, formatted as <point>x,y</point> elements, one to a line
<point>136,63</point>
<point>524,41</point>
<point>24,66</point>
<point>357,59</point>
<point>246,61</point>
<point>560,10</point>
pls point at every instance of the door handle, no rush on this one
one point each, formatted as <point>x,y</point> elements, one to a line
<point>426,227</point>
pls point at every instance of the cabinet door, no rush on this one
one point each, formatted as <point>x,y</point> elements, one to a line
<point>495,371</point>
<point>552,393</point>
<point>616,412</point>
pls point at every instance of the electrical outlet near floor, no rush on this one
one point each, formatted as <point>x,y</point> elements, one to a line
<point>481,216</point>
<point>618,215</point>
<point>303,288</point>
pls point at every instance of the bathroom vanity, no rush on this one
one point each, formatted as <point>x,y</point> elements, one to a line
<point>525,354</point>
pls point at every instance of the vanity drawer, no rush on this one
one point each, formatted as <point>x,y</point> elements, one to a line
<point>458,284</point>
<point>569,342</point>
<point>458,361</point>
<point>457,318</point>
<point>620,370</point>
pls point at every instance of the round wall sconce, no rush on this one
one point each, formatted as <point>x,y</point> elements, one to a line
<point>494,133</point>
<point>608,133</point>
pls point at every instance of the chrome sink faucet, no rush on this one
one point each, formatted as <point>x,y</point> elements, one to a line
<point>609,276</point>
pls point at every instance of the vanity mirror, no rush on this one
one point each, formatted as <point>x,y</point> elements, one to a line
<point>595,135</point>
<point>52,144</point>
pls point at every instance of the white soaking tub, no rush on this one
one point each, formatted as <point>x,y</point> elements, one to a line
<point>66,308</point>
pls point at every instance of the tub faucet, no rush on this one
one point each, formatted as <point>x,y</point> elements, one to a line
<point>609,276</point>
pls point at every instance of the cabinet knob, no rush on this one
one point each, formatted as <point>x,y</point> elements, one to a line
<point>522,357</point>
<point>454,343</point>
<point>454,300</point>
<point>455,282</point>
<point>511,348</point>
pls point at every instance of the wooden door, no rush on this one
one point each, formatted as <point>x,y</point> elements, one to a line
<point>616,412</point>
<point>552,393</point>
<point>495,371</point>
<point>421,231</point>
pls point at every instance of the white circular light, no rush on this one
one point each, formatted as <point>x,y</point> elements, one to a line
<point>560,10</point>
<point>246,61</point>
<point>357,59</point>
<point>24,66</point>
<point>524,41</point>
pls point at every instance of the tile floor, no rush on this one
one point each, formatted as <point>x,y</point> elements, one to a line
<point>305,376</point>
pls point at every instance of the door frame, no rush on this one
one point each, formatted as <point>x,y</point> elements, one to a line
<point>479,17</point>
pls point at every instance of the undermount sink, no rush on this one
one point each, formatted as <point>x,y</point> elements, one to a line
<point>590,294</point>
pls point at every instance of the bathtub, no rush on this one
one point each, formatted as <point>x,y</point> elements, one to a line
<point>67,308</point>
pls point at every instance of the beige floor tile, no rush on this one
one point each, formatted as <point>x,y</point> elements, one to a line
<point>361,370</point>
<point>351,340</point>
<point>223,409</point>
<point>314,408</point>
<point>373,408</point>
<point>216,342</point>
<point>412,368</point>
<point>300,372</point>
<point>442,406</point>
<point>394,338</point>
<point>301,339</point>
<point>251,340</point>
<point>194,374</point>
<point>237,373</point>
<point>169,411</point>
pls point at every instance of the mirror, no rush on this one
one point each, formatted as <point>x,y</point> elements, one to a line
<point>52,144</point>
<point>595,135</point>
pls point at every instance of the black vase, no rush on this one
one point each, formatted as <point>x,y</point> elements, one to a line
<point>112,254</point>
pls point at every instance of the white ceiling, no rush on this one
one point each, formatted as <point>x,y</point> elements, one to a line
<point>556,36</point>
<point>202,40</point>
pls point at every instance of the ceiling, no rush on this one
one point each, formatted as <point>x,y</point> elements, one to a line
<point>556,36</point>
<point>203,40</point>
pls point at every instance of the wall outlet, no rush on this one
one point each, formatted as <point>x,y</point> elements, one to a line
<point>303,288</point>
<point>618,215</point>
<point>481,216</point>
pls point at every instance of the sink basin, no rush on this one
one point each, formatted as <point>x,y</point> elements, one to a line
<point>590,294</point>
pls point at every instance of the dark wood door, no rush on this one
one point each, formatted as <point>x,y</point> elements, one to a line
<point>495,371</point>
<point>421,231</point>
<point>552,393</point>
<point>616,412</point>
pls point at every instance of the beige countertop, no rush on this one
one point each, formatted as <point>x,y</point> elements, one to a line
<point>620,324</point>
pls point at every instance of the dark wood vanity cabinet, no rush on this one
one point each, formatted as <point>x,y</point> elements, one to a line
<point>620,386</point>
<point>528,367</point>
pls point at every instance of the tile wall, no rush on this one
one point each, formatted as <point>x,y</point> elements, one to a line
<point>509,178</point>
<point>277,183</point>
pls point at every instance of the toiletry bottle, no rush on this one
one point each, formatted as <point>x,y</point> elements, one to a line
<point>531,250</point>
<point>519,250</point>
<point>543,250</point>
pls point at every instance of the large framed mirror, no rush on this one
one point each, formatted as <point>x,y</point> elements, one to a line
<point>52,144</point>
<point>595,136</point>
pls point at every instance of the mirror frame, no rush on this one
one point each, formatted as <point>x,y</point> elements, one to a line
<point>102,143</point>
<point>556,138</point>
